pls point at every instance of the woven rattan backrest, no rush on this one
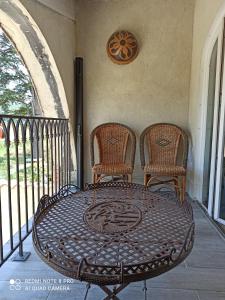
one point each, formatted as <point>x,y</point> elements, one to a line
<point>112,140</point>
<point>163,141</point>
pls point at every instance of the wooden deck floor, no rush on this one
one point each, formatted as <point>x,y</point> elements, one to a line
<point>200,277</point>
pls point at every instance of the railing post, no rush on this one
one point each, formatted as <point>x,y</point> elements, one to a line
<point>21,256</point>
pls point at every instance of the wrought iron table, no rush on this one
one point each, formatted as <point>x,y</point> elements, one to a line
<point>113,234</point>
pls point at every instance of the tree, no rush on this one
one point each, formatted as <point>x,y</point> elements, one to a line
<point>16,89</point>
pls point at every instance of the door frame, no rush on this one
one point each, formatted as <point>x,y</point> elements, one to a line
<point>218,34</point>
<point>221,143</point>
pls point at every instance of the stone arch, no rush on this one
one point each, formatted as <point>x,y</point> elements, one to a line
<point>18,24</point>
<point>33,48</point>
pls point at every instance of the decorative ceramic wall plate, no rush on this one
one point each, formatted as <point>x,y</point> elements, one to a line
<point>122,47</point>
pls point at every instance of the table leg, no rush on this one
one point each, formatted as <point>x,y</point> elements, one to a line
<point>112,293</point>
<point>87,290</point>
<point>145,290</point>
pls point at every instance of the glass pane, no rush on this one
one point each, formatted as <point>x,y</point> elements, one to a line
<point>209,124</point>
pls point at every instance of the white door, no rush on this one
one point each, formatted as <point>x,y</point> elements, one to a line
<point>215,67</point>
<point>216,205</point>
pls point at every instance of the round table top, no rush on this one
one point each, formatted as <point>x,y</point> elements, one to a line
<point>113,232</point>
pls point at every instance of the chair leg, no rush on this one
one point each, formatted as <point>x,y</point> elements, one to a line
<point>98,178</point>
<point>149,180</point>
<point>125,178</point>
<point>94,178</point>
<point>145,179</point>
<point>176,185</point>
<point>129,176</point>
<point>183,188</point>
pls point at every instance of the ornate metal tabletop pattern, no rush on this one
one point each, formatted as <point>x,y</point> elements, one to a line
<point>113,233</point>
<point>112,217</point>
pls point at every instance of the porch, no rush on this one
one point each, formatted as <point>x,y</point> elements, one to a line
<point>176,78</point>
<point>200,277</point>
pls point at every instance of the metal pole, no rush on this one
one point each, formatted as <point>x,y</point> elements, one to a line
<point>79,120</point>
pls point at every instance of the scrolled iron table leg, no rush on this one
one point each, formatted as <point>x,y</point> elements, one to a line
<point>87,290</point>
<point>112,294</point>
<point>145,290</point>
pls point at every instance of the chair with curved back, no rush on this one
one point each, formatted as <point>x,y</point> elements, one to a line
<point>116,146</point>
<point>167,149</point>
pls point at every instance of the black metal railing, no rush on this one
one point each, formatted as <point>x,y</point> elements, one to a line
<point>34,160</point>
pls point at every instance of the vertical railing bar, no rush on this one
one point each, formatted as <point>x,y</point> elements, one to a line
<point>47,154</point>
<point>18,188</point>
<point>59,166</point>
<point>43,158</point>
<point>64,152</point>
<point>61,156</point>
<point>25,173</point>
<point>1,237</point>
<point>69,148</point>
<point>51,155</point>
<point>32,165</point>
<point>55,154</point>
<point>38,162</point>
<point>67,155</point>
<point>9,185</point>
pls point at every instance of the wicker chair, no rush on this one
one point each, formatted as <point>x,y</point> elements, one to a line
<point>167,147</point>
<point>116,146</point>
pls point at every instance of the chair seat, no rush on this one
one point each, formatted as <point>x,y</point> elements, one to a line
<point>165,170</point>
<point>112,169</point>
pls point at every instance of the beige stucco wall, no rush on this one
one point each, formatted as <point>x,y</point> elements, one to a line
<point>205,15</point>
<point>153,88</point>
<point>63,7</point>
<point>56,22</point>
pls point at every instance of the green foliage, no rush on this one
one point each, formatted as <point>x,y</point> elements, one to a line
<point>16,90</point>
<point>12,161</point>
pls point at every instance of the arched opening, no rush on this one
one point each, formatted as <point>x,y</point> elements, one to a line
<point>37,56</point>
<point>31,45</point>
<point>17,93</point>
